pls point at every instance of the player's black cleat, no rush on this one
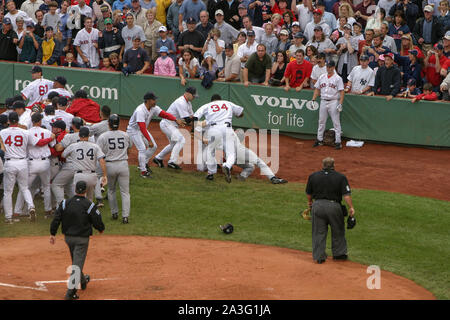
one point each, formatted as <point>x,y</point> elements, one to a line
<point>338,146</point>
<point>71,294</point>
<point>158,162</point>
<point>276,180</point>
<point>318,143</point>
<point>146,175</point>
<point>173,166</point>
<point>115,216</point>
<point>227,173</point>
<point>210,177</point>
<point>84,283</point>
<point>148,169</point>
<point>125,220</point>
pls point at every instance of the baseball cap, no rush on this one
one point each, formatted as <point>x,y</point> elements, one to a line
<point>439,46</point>
<point>331,63</point>
<point>295,23</point>
<point>164,49</point>
<point>285,32</point>
<point>390,55</point>
<point>150,96</point>
<point>241,6</point>
<point>49,28</point>
<point>104,8</point>
<point>108,20</point>
<point>59,124</point>
<point>36,69</point>
<point>3,119</point>
<point>405,36</point>
<point>347,26</point>
<point>84,132</point>
<point>411,82</point>
<point>191,21</point>
<point>321,55</point>
<point>207,54</point>
<point>320,3</point>
<point>6,20</point>
<point>13,117</point>
<point>364,57</point>
<point>19,18</point>
<point>18,104</point>
<point>63,101</point>
<point>49,109</point>
<point>29,24</point>
<point>428,8</point>
<point>318,28</point>
<point>36,117</point>
<point>135,37</point>
<point>251,33</point>
<point>381,57</point>
<point>162,29</point>
<point>219,11</point>
<point>229,46</point>
<point>318,11</point>
<point>357,24</point>
<point>52,94</point>
<point>299,35</point>
<point>414,52</point>
<point>447,35</point>
<point>61,80</point>
<point>192,91</point>
<point>80,187</point>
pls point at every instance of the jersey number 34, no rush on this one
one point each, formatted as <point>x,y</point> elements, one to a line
<point>216,108</point>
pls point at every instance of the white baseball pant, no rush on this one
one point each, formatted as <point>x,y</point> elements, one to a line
<point>176,142</point>
<point>37,168</point>
<point>144,152</point>
<point>247,160</point>
<point>328,107</point>
<point>220,134</point>
<point>15,170</point>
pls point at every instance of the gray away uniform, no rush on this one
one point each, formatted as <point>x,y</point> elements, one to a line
<point>96,130</point>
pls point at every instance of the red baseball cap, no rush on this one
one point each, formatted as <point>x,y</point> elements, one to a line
<point>390,55</point>
<point>318,11</point>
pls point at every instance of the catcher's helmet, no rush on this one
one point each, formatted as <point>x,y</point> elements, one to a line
<point>77,122</point>
<point>227,228</point>
<point>114,121</point>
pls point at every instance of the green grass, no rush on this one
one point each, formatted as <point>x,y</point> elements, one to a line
<point>404,234</point>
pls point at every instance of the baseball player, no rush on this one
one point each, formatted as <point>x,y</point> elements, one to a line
<point>331,89</point>
<point>58,128</point>
<point>247,160</point>
<point>181,108</point>
<point>139,135</point>
<point>61,114</point>
<point>24,115</point>
<point>64,178</point>
<point>219,114</point>
<point>16,142</point>
<point>49,113</point>
<point>59,84</point>
<point>115,144</point>
<point>38,166</point>
<point>38,88</point>
<point>84,155</point>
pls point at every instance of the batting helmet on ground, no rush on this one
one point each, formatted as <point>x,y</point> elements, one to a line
<point>227,228</point>
<point>114,121</point>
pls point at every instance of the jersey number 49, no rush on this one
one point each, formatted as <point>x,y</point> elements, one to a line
<point>18,141</point>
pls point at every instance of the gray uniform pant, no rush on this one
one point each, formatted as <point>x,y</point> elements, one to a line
<point>324,213</point>
<point>329,108</point>
<point>91,180</point>
<point>63,181</point>
<point>118,171</point>
<point>78,247</point>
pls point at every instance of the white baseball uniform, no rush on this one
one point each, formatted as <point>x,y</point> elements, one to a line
<point>219,116</point>
<point>330,88</point>
<point>61,91</point>
<point>46,120</point>
<point>85,40</point>
<point>16,141</point>
<point>36,90</point>
<point>25,119</point>
<point>38,166</point>
<point>361,78</point>
<point>180,108</point>
<point>142,114</point>
<point>61,114</point>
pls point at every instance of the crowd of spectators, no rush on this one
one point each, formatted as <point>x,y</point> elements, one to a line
<point>384,47</point>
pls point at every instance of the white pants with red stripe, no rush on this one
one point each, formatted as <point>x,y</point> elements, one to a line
<point>144,152</point>
<point>220,135</point>
<point>176,141</point>
<point>15,170</point>
<point>329,108</point>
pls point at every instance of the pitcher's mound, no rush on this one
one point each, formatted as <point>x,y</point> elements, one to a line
<point>128,267</point>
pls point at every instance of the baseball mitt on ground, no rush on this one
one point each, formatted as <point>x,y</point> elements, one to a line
<point>306,214</point>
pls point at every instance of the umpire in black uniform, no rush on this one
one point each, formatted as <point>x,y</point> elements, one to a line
<point>327,187</point>
<point>78,215</point>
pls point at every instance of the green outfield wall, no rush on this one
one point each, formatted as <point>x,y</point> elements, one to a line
<point>363,118</point>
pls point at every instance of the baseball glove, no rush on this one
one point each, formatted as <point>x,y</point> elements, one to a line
<point>351,222</point>
<point>306,214</point>
<point>227,228</point>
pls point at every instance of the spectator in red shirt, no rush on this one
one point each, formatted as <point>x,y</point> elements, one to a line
<point>85,108</point>
<point>298,72</point>
<point>428,94</point>
<point>281,8</point>
<point>434,61</point>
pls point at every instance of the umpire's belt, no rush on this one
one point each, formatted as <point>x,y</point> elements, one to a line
<point>31,159</point>
<point>328,200</point>
<point>85,171</point>
<point>7,159</point>
<point>227,123</point>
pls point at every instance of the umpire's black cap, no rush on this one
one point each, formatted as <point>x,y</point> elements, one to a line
<point>84,132</point>
<point>59,124</point>
<point>150,96</point>
<point>13,117</point>
<point>80,187</point>
<point>36,117</point>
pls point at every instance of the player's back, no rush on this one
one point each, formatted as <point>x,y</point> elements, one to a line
<point>36,152</point>
<point>115,145</point>
<point>221,111</point>
<point>15,140</point>
<point>83,155</point>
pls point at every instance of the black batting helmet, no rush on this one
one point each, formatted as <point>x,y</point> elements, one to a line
<point>77,122</point>
<point>114,121</point>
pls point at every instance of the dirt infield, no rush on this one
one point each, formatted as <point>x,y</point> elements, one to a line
<point>409,170</point>
<point>155,268</point>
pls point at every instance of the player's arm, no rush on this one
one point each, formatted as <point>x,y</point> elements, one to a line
<point>56,221</point>
<point>46,141</point>
<point>102,163</point>
<point>316,94</point>
<point>2,146</point>
<point>342,95</point>
<point>165,115</point>
<point>144,132</point>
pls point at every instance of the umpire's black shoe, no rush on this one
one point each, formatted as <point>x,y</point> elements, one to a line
<point>210,177</point>
<point>320,261</point>
<point>115,216</point>
<point>84,283</point>
<point>148,169</point>
<point>173,166</point>
<point>71,294</point>
<point>338,146</point>
<point>227,173</point>
<point>341,257</point>
<point>158,162</point>
<point>318,143</point>
<point>125,220</point>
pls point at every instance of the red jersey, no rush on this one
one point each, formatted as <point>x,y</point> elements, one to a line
<point>298,72</point>
<point>430,97</point>
<point>430,72</point>
<point>86,109</point>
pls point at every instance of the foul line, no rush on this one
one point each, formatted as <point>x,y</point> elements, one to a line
<point>41,284</point>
